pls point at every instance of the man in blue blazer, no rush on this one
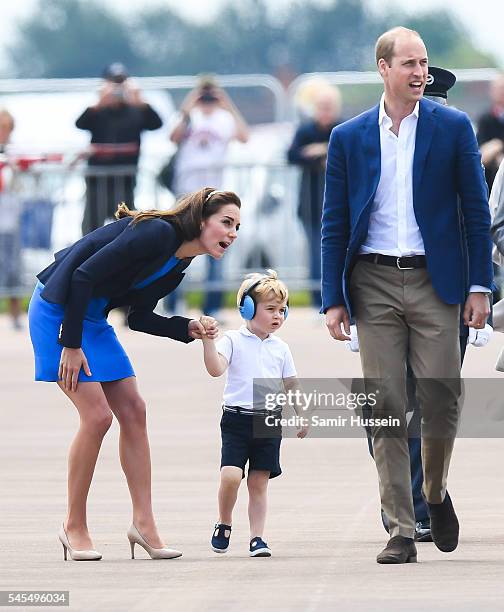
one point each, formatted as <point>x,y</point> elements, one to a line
<point>398,177</point>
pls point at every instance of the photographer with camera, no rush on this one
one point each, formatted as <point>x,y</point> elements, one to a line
<point>208,122</point>
<point>116,122</point>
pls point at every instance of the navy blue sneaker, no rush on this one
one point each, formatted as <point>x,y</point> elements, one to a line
<point>422,531</point>
<point>220,541</point>
<point>259,548</point>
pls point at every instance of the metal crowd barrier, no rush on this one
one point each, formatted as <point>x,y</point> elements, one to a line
<point>283,101</point>
<point>42,204</point>
<point>42,198</point>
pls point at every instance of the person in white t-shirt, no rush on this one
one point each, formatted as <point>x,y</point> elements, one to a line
<point>208,122</point>
<point>248,354</point>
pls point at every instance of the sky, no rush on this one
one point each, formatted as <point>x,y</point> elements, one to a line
<point>484,19</point>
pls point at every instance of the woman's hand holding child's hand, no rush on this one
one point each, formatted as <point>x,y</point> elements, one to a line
<point>206,328</point>
<point>211,327</point>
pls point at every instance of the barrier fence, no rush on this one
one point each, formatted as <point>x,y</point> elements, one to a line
<point>42,197</point>
<point>44,201</point>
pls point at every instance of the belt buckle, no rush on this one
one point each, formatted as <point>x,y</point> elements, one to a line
<point>399,266</point>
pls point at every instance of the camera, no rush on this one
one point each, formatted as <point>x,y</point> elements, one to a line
<point>207,94</point>
<point>118,93</point>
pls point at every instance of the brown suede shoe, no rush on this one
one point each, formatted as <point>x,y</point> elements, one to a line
<point>444,525</point>
<point>398,550</point>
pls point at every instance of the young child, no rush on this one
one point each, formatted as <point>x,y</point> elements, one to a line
<point>249,353</point>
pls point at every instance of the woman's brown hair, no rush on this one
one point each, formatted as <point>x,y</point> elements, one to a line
<point>189,213</point>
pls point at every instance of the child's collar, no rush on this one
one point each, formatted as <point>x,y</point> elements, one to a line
<point>246,332</point>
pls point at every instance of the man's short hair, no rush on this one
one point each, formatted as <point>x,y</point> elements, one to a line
<point>386,42</point>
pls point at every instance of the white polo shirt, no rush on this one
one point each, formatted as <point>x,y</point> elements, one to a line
<point>250,357</point>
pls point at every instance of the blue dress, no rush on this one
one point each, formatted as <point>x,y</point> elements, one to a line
<point>106,357</point>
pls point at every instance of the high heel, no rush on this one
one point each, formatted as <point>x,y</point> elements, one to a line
<point>135,537</point>
<point>76,555</point>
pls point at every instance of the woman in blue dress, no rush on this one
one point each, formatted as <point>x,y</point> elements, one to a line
<point>132,262</point>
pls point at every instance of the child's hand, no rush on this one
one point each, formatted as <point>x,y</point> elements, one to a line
<point>211,327</point>
<point>302,431</point>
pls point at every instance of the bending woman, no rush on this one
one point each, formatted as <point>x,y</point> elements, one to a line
<point>134,261</point>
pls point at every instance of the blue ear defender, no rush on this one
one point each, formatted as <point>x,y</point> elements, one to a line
<point>247,306</point>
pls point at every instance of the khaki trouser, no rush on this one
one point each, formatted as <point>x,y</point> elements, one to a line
<point>399,316</point>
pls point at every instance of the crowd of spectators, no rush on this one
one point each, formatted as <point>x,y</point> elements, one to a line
<point>206,123</point>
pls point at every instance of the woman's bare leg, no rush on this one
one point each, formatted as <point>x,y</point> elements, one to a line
<point>129,408</point>
<point>95,420</point>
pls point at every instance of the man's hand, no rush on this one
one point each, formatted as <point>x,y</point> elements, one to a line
<point>476,310</point>
<point>336,316</point>
<point>302,431</point>
<point>190,101</point>
<point>492,151</point>
<point>106,95</point>
<point>314,150</point>
<point>224,100</point>
<point>132,93</point>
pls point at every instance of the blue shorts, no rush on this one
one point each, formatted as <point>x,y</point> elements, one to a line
<point>239,444</point>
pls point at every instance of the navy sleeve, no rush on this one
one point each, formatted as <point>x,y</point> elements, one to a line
<point>335,225</point>
<point>473,192</point>
<point>146,239</point>
<point>486,129</point>
<point>295,155</point>
<point>142,318</point>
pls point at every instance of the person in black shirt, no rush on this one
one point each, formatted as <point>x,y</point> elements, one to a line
<point>309,151</point>
<point>116,122</point>
<point>491,131</point>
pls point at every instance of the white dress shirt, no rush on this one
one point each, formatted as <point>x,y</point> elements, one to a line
<point>393,229</point>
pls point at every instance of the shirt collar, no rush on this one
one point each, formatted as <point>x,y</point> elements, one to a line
<point>246,332</point>
<point>384,119</point>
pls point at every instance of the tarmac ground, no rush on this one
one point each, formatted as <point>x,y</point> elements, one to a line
<point>323,524</point>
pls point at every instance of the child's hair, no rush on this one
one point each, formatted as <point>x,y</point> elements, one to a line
<point>268,282</point>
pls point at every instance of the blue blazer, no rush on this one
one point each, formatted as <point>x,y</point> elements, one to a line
<point>448,182</point>
<point>112,261</point>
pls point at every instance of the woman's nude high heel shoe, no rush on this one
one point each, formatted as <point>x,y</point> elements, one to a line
<point>135,537</point>
<point>76,555</point>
